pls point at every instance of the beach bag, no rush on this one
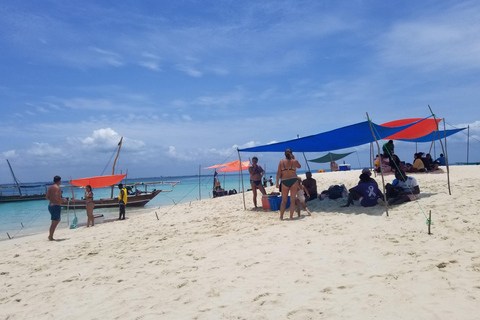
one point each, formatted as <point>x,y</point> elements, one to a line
<point>336,191</point>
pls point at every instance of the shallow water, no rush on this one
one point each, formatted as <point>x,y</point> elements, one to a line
<point>30,217</point>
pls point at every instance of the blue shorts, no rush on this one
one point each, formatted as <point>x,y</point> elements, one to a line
<point>55,212</point>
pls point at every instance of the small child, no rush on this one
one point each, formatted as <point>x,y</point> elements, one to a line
<point>301,197</point>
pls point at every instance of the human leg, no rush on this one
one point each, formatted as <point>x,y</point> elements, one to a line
<point>283,205</point>
<point>352,196</point>
<point>293,198</point>
<point>53,226</point>
<point>89,215</point>
<point>262,189</point>
<point>399,200</point>
<point>122,212</point>
<point>254,191</point>
<point>56,216</point>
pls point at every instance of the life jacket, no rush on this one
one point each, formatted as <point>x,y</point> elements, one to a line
<point>124,196</point>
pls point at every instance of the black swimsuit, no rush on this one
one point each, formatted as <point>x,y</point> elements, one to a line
<point>289,182</point>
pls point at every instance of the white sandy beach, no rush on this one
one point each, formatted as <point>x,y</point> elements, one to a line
<point>211,259</point>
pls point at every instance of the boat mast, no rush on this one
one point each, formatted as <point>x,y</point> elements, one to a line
<point>115,161</point>
<point>14,178</point>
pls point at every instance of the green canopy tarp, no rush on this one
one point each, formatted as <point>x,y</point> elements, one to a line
<point>331,157</point>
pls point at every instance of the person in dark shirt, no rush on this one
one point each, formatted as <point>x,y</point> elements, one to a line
<point>311,185</point>
<point>366,192</point>
<point>367,178</point>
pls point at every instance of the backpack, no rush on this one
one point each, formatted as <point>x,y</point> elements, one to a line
<point>336,191</point>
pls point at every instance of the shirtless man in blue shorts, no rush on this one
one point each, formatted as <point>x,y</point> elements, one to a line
<point>54,195</point>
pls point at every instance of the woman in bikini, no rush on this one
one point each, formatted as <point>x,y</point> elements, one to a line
<point>287,172</point>
<point>90,205</point>
<point>256,173</point>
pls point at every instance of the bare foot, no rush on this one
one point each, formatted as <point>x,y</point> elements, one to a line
<point>51,239</point>
<point>308,211</point>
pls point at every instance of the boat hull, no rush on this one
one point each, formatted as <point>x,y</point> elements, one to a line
<point>19,198</point>
<point>133,201</point>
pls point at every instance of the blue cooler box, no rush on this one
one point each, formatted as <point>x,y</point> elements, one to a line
<point>343,167</point>
<point>276,202</point>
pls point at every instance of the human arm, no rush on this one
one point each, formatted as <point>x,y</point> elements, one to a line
<point>306,191</point>
<point>279,174</point>
<point>297,164</point>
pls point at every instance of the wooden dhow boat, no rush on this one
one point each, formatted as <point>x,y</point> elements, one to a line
<point>138,198</point>
<point>20,192</point>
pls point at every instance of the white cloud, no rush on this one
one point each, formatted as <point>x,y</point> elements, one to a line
<point>10,154</point>
<point>152,65</point>
<point>446,41</point>
<point>108,57</point>
<point>42,149</point>
<point>189,70</point>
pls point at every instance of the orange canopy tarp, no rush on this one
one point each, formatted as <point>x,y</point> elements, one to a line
<point>231,163</point>
<point>235,166</point>
<point>98,182</point>
<point>418,130</point>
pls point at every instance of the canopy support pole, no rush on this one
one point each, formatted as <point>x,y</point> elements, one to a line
<point>468,141</point>
<point>371,158</point>
<point>306,162</point>
<point>433,142</point>
<point>199,182</point>
<point>241,174</point>
<point>444,150</point>
<point>381,167</point>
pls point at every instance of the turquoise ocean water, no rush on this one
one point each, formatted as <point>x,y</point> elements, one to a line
<point>32,217</point>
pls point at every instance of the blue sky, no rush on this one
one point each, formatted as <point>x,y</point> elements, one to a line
<point>187,82</point>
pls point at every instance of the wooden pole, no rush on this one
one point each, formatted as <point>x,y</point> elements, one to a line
<point>433,142</point>
<point>115,161</point>
<point>446,158</point>
<point>199,183</point>
<point>430,222</point>
<point>444,150</point>
<point>468,141</point>
<point>241,175</point>
<point>15,178</point>
<point>381,167</point>
<point>306,162</point>
<point>372,152</point>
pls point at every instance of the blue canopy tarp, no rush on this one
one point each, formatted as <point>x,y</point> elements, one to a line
<point>345,137</point>
<point>429,137</point>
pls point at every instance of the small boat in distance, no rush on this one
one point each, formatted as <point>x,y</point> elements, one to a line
<point>21,193</point>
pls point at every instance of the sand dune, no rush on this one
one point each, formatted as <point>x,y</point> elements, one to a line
<point>211,259</point>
